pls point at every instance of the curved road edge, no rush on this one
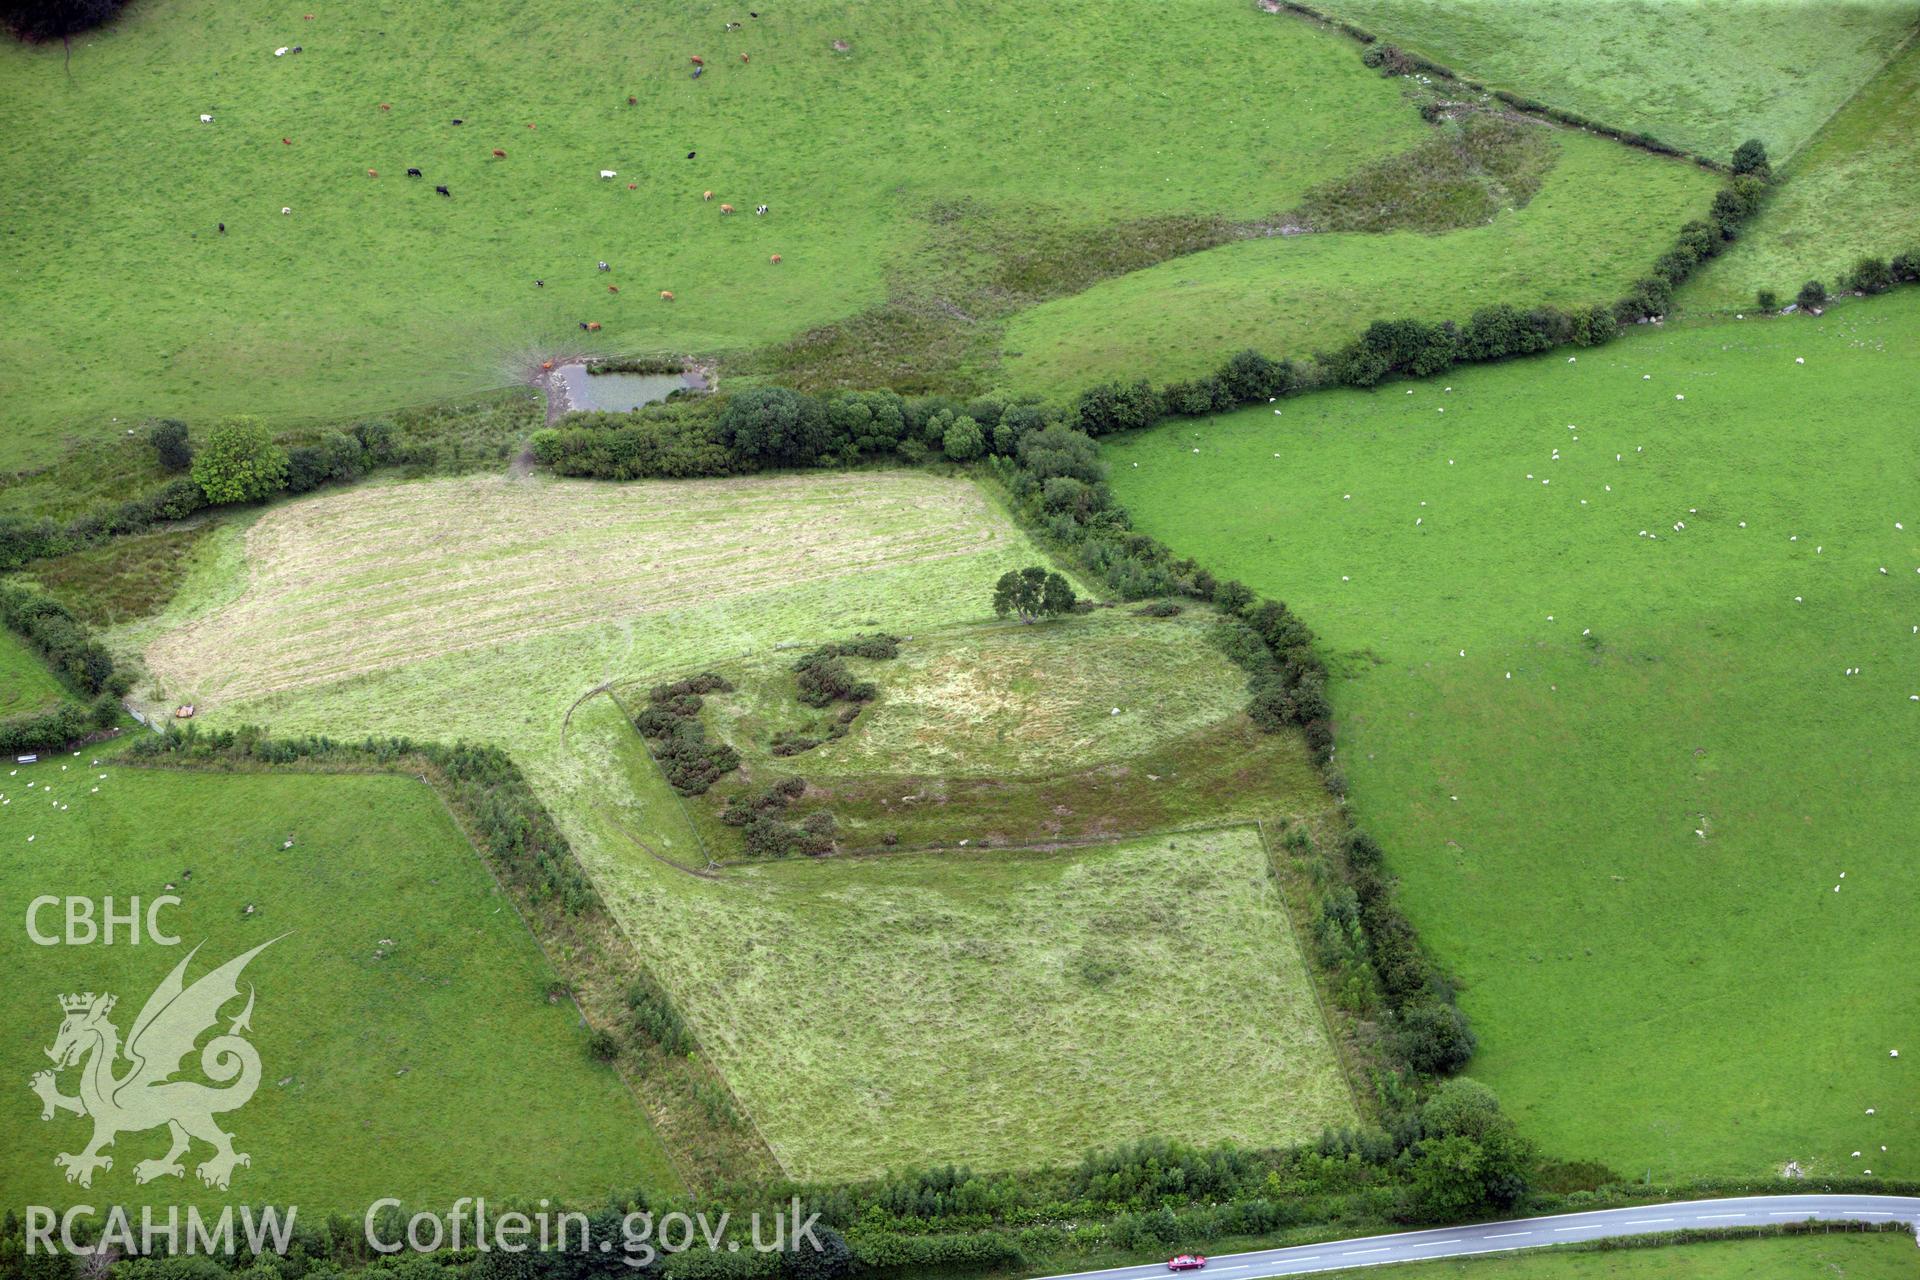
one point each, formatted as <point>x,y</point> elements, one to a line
<point>1535,1233</point>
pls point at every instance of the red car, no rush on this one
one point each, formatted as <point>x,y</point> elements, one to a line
<point>1186,1262</point>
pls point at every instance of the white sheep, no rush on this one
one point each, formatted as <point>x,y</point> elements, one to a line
<point>206,119</point>
<point>608,173</point>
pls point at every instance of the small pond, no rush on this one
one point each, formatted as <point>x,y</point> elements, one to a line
<point>618,392</point>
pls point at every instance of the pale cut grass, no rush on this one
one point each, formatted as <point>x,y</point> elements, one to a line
<point>386,576</point>
<point>868,1013</point>
<point>1000,1009</point>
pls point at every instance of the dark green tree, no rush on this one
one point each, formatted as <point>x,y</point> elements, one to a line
<point>168,436</point>
<point>1751,157</point>
<point>963,441</point>
<point>1032,593</point>
<point>1812,294</point>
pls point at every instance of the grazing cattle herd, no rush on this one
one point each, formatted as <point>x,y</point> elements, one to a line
<point>499,153</point>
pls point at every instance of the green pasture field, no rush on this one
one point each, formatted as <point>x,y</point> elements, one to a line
<point>999,1008</point>
<point>1854,190</point>
<point>27,684</point>
<point>797,978</point>
<point>1701,74</point>
<point>407,1042</point>
<point>1855,1256</point>
<point>1603,212</point>
<point>1082,728</point>
<point>1620,765</point>
<point>120,299</point>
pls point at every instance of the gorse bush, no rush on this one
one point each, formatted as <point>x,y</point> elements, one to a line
<point>670,722</point>
<point>655,1019</point>
<point>1870,275</point>
<point>168,436</point>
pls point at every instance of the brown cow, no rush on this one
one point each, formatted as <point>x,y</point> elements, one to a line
<point>706,195</point>
<point>698,61</point>
<point>745,58</point>
<point>386,106</point>
<point>666,295</point>
<point>286,142</point>
<point>726,208</point>
<point>775,259</point>
<point>498,154</point>
<point>547,365</point>
<point>613,288</point>
<point>632,101</point>
<point>593,326</point>
<point>373,173</point>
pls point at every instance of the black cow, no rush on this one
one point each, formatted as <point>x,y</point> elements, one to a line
<point>413,173</point>
<point>443,191</point>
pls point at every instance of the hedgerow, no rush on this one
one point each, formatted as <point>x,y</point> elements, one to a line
<point>83,664</point>
<point>481,783</point>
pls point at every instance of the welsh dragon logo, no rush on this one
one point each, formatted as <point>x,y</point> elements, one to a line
<point>146,1096</point>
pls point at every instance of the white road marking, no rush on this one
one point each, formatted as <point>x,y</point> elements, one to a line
<point>1709,1217</point>
<point>1355,1253</point>
<point>1804,1214</point>
<point>1431,1244</point>
<point>1591,1226</point>
<point>1643,1222</point>
<point>1511,1235</point>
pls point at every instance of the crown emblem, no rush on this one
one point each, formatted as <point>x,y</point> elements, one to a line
<point>82,1003</point>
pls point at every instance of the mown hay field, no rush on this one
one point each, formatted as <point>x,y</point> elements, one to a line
<point>383,577</point>
<point>1619,763</point>
<point>803,978</point>
<point>994,1007</point>
<point>407,1043</point>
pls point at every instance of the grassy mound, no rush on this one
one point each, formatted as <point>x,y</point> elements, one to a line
<point>1620,764</point>
<point>1701,74</point>
<point>1081,729</point>
<point>407,1043</point>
